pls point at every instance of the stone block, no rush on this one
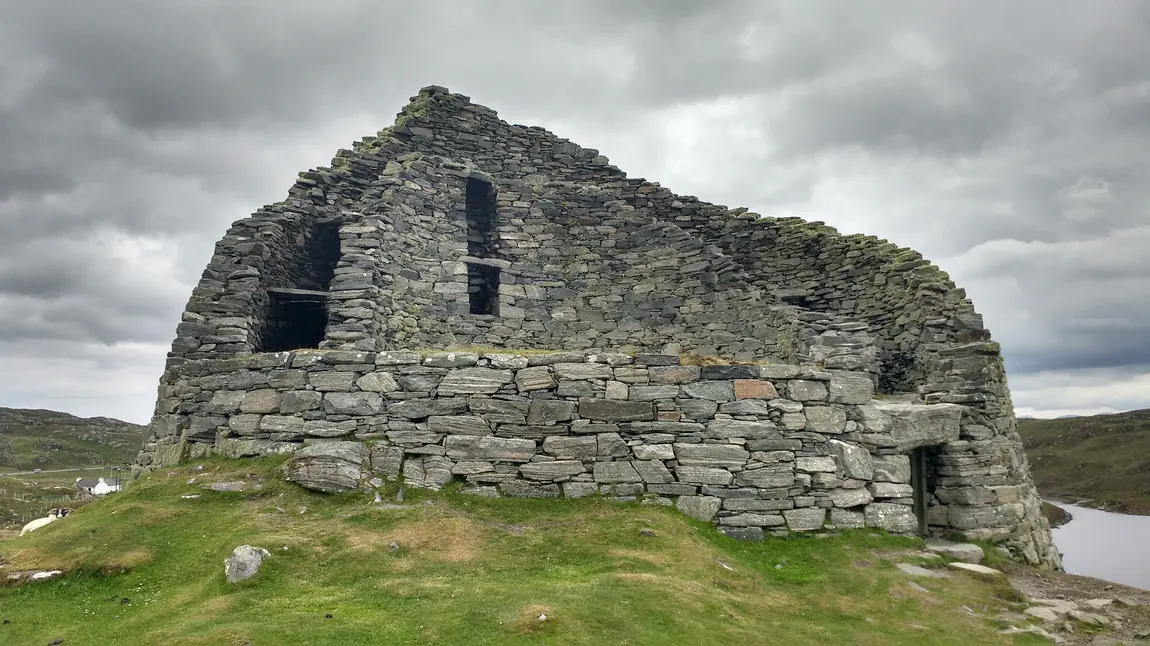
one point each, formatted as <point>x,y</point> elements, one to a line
<point>744,533</point>
<point>851,389</point>
<point>329,466</point>
<point>848,519</point>
<point>450,359</point>
<point>260,401</point>
<point>725,429</point>
<point>698,409</point>
<point>711,455</point>
<point>615,411</point>
<point>397,358</point>
<point>458,425</point>
<point>653,393</point>
<point>897,519</point>
<point>617,390</point>
<point>769,477</point>
<point>615,472</point>
<point>556,470</point>
<point>754,389</point>
<point>729,372</point>
<point>612,445</point>
<point>916,425</point>
<point>703,475</point>
<point>472,381</point>
<point>673,374</point>
<point>855,460</point>
<point>331,380</point>
<point>756,407</point>
<point>701,508</point>
<point>850,497</point>
<point>377,382</point>
<point>651,451</point>
<point>816,464</point>
<point>298,401</point>
<point>830,420</point>
<point>805,520</point>
<point>891,468</point>
<point>422,408</point>
<point>580,447</point>
<point>427,472</point>
<point>805,391</point>
<point>505,449</point>
<point>225,402</point>
<point>549,411</point>
<point>359,403</point>
<point>281,424</point>
<point>583,371</point>
<point>579,489</point>
<point>716,391</point>
<point>653,471</point>
<point>535,378</point>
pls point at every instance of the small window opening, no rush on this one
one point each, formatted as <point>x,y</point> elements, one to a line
<point>320,256</point>
<point>483,289</point>
<point>480,219</point>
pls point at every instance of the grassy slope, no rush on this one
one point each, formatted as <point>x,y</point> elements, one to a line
<point>1105,458</point>
<point>468,570</point>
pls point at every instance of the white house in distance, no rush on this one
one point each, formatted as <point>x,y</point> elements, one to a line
<point>97,486</point>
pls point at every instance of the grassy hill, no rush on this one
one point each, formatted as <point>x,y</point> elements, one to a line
<point>146,566</point>
<point>1104,458</point>
<point>43,439</point>
<point>52,441</point>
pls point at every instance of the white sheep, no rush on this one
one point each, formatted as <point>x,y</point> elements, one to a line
<point>54,514</point>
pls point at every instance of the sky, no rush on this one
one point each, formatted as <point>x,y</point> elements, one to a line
<point>1007,142</point>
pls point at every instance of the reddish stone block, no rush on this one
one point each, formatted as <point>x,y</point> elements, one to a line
<point>755,389</point>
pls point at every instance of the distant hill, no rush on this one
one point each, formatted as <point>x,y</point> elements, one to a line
<point>44,439</point>
<point>1104,458</point>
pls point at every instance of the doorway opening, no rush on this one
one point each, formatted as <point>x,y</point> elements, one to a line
<point>918,484</point>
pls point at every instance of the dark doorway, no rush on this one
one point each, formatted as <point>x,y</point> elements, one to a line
<point>296,319</point>
<point>483,289</point>
<point>918,483</point>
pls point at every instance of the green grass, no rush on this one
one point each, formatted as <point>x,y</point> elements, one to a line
<point>145,566</point>
<point>1103,458</point>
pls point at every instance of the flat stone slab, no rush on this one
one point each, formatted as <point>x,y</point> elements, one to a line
<point>965,552</point>
<point>974,567</point>
<point>915,570</point>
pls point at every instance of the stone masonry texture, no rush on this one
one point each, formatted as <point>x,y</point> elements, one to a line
<point>459,298</point>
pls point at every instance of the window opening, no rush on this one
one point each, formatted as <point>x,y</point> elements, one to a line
<point>297,318</point>
<point>483,289</point>
<point>480,219</point>
<point>482,279</point>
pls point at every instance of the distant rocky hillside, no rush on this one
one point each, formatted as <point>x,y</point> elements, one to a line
<point>1103,458</point>
<point>43,439</point>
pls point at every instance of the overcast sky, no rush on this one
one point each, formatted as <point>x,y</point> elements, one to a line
<point>1006,141</point>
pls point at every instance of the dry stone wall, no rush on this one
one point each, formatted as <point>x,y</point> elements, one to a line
<point>752,448</point>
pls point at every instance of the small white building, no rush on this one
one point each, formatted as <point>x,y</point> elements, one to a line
<point>97,486</point>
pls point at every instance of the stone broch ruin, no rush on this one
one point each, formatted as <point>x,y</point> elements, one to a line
<point>462,299</point>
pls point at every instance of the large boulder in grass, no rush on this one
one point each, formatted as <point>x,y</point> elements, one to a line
<point>244,563</point>
<point>331,467</point>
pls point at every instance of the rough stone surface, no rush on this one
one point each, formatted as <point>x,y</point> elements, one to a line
<point>614,285</point>
<point>329,466</point>
<point>243,563</point>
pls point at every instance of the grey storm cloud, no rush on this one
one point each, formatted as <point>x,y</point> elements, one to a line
<point>1006,141</point>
